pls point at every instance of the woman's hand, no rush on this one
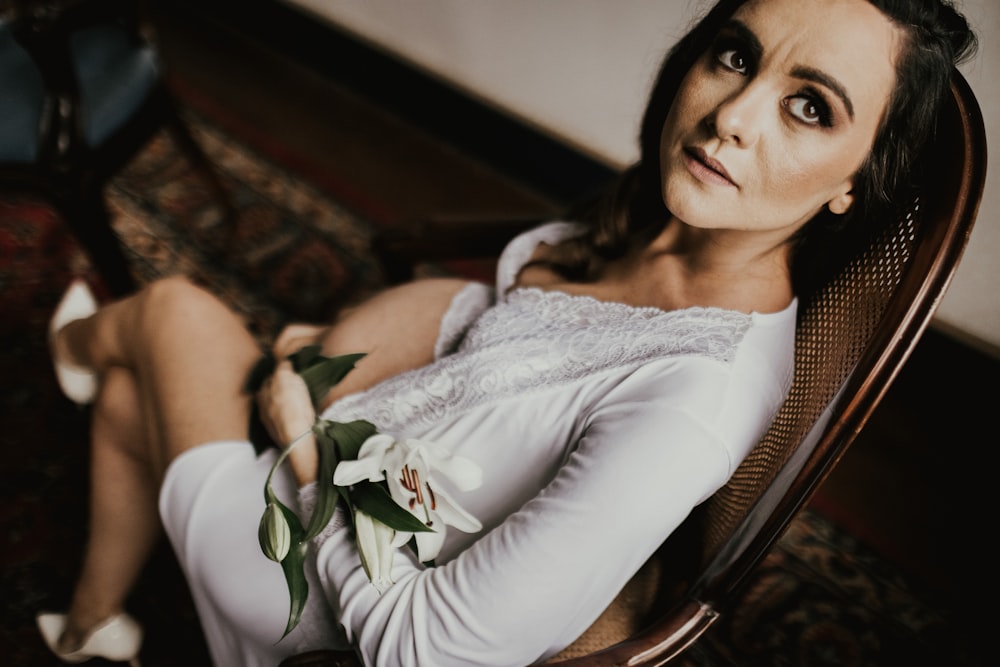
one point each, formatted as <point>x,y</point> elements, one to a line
<point>287,412</point>
<point>294,337</point>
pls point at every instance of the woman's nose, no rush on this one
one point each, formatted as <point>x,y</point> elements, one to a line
<point>739,117</point>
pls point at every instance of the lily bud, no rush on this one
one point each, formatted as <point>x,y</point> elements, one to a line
<point>374,540</point>
<point>274,535</point>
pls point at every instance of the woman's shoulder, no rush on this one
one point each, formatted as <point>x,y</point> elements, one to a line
<point>521,248</point>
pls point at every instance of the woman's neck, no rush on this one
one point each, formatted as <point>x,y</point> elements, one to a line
<point>684,267</point>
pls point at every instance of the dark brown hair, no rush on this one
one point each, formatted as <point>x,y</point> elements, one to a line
<point>632,211</point>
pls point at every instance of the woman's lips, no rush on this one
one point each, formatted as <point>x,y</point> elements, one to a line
<point>707,169</point>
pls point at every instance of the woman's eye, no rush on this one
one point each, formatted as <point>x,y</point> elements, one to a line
<point>809,111</point>
<point>733,59</point>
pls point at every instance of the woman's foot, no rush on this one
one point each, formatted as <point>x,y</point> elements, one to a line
<point>118,639</point>
<point>78,384</point>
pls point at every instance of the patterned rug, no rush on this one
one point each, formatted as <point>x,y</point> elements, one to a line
<point>821,598</point>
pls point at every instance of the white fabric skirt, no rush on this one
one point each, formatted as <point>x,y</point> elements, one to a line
<point>210,503</point>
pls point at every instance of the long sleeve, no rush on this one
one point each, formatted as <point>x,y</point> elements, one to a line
<point>538,580</point>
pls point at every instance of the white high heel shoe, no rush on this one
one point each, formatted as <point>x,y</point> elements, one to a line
<point>117,639</point>
<point>79,384</point>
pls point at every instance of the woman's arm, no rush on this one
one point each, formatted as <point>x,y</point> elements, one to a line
<point>537,581</point>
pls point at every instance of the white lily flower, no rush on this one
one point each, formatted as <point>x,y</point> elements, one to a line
<point>375,546</point>
<point>408,467</point>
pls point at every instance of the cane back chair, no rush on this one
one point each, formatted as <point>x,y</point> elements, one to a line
<point>853,337</point>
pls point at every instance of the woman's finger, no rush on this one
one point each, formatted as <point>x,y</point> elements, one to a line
<point>294,337</point>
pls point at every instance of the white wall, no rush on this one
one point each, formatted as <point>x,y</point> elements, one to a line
<point>580,70</point>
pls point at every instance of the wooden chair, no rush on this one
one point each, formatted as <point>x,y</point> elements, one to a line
<point>82,89</point>
<point>853,337</point>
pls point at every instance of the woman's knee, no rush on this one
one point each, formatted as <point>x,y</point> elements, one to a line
<point>176,302</point>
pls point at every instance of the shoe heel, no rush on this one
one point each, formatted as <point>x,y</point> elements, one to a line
<point>117,639</point>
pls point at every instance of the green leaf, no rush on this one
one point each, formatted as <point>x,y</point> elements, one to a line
<point>348,437</point>
<point>305,357</point>
<point>322,373</point>
<point>293,566</point>
<point>257,432</point>
<point>326,492</point>
<point>260,372</point>
<point>334,439</point>
<point>374,500</point>
<point>344,493</point>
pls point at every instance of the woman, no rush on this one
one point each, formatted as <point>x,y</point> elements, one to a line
<point>612,379</point>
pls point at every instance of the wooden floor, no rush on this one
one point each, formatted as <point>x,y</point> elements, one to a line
<point>908,487</point>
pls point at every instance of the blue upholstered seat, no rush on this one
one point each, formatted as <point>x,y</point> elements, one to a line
<point>114,74</point>
<point>22,99</point>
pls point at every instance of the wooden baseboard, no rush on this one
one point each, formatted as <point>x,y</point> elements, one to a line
<point>990,351</point>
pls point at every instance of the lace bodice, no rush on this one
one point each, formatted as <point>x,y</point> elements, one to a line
<point>540,339</point>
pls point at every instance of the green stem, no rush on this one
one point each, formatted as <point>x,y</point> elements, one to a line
<point>268,491</point>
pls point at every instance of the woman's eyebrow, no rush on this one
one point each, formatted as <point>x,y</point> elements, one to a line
<point>747,36</point>
<point>827,81</point>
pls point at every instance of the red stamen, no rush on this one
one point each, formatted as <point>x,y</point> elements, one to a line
<point>410,480</point>
<point>416,487</point>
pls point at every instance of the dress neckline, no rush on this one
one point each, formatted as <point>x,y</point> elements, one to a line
<point>648,311</point>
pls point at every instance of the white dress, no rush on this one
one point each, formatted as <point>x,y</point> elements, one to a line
<point>598,426</point>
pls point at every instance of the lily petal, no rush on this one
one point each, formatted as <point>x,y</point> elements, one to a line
<point>376,446</point>
<point>452,514</point>
<point>369,464</point>
<point>401,538</point>
<point>464,473</point>
<point>429,545</point>
<point>352,472</point>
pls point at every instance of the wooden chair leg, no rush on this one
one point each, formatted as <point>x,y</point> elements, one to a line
<point>89,220</point>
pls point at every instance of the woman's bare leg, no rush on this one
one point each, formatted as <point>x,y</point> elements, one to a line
<point>173,360</point>
<point>124,526</point>
<point>189,355</point>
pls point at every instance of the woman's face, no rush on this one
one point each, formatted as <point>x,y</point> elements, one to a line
<point>774,120</point>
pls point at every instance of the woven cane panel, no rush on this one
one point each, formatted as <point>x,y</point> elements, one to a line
<point>834,328</point>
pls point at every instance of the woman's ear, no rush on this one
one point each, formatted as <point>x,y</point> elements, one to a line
<point>842,202</point>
